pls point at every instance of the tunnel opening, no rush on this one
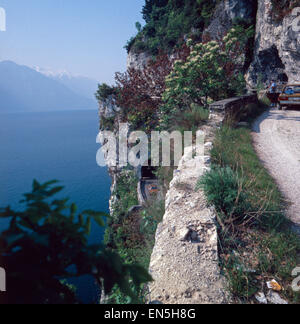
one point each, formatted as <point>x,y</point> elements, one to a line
<point>148,172</point>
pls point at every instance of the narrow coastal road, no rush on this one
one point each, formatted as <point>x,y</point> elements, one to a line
<point>276,136</point>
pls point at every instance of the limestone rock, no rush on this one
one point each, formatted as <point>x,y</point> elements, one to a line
<point>108,108</point>
<point>226,14</point>
<point>208,145</point>
<point>137,60</point>
<point>277,48</point>
<point>184,262</point>
<point>183,234</point>
<point>275,299</point>
<point>261,298</point>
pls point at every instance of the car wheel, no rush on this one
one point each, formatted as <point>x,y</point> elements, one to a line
<point>280,108</point>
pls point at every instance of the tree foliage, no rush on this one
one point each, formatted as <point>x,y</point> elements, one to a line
<point>167,21</point>
<point>104,91</point>
<point>149,8</point>
<point>46,243</point>
<point>211,72</point>
<point>140,90</point>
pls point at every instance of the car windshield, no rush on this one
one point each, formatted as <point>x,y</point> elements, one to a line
<point>292,89</point>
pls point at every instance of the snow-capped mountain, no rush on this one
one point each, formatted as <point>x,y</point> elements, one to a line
<point>77,83</point>
<point>25,89</point>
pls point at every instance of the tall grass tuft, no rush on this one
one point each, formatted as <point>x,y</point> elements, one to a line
<point>190,119</point>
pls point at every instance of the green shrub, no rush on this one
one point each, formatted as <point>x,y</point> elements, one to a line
<point>211,72</point>
<point>225,190</point>
<point>126,191</point>
<point>129,44</point>
<point>152,215</point>
<point>134,238</point>
<point>265,101</point>
<point>187,120</point>
<point>126,197</point>
<point>104,91</point>
<point>168,21</point>
<point>233,148</point>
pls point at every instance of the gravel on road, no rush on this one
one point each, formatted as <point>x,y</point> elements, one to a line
<point>276,136</point>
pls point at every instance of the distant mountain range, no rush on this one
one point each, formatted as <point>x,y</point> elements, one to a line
<point>86,87</point>
<point>25,89</point>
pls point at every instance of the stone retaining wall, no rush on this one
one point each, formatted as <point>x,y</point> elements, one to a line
<point>230,109</point>
<point>184,262</point>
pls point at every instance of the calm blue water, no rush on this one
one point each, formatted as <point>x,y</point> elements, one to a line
<point>54,145</point>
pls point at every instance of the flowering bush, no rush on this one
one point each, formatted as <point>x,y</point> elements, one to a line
<point>211,72</point>
<point>139,91</point>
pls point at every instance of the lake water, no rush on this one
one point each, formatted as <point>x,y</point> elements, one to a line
<point>54,145</point>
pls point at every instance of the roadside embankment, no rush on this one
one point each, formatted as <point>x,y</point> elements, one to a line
<point>185,259</point>
<point>249,241</point>
<point>184,262</point>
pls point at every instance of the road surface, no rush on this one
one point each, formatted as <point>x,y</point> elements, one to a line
<point>276,137</point>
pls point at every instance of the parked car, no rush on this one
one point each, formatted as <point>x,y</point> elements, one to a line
<point>290,96</point>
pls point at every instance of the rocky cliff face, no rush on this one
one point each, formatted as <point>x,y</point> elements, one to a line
<point>228,12</point>
<point>108,108</point>
<point>137,60</point>
<point>277,43</point>
<point>276,52</point>
<point>277,47</point>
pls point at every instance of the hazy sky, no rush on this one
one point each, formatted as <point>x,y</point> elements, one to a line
<point>84,37</point>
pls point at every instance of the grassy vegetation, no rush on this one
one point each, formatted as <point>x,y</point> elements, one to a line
<point>132,233</point>
<point>126,197</point>
<point>135,240</point>
<point>188,120</point>
<point>233,148</point>
<point>256,243</point>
